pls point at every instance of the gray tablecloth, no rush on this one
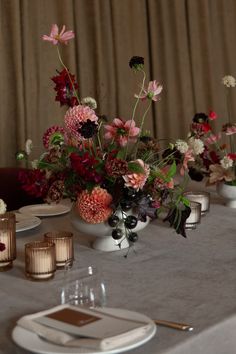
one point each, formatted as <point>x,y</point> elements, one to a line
<point>168,277</point>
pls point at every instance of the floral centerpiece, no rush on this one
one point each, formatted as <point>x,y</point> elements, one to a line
<point>106,167</point>
<point>217,158</point>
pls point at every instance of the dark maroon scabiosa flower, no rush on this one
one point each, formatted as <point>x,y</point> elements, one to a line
<point>136,63</point>
<point>64,89</point>
<point>88,129</point>
<point>200,118</point>
<point>2,247</point>
<point>116,167</point>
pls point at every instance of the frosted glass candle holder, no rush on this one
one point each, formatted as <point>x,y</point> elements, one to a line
<point>200,197</point>
<point>64,247</point>
<point>40,260</point>
<point>194,217</point>
<point>8,239</point>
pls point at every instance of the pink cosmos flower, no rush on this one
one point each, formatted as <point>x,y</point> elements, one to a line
<point>152,93</point>
<point>212,139</point>
<point>74,117</point>
<point>56,37</point>
<point>94,207</point>
<point>121,131</point>
<point>137,180</point>
<point>212,115</point>
<point>187,157</point>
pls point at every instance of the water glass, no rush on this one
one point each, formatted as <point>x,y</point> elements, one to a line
<point>83,287</point>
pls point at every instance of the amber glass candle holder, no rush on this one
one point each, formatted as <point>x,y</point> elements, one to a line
<point>8,239</point>
<point>200,197</point>
<point>64,247</point>
<point>194,217</point>
<point>40,260</point>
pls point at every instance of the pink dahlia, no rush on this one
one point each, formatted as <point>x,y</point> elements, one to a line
<point>121,131</point>
<point>137,180</point>
<point>53,136</point>
<point>94,207</point>
<point>76,116</point>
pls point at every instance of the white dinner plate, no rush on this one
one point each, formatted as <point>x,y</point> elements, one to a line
<point>32,342</point>
<point>45,209</point>
<point>26,222</point>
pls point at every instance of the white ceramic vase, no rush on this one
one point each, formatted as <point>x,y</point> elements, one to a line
<point>228,193</point>
<point>103,232</point>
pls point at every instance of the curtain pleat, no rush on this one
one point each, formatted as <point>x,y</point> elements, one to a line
<point>188,46</point>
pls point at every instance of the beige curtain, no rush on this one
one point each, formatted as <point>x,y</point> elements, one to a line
<point>188,45</point>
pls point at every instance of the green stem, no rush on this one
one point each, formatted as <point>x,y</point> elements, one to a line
<point>231,137</point>
<point>135,107</point>
<point>68,73</point>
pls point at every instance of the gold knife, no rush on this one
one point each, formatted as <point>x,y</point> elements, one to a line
<point>174,325</point>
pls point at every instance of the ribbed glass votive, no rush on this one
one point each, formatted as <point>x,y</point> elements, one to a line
<point>64,246</point>
<point>8,239</point>
<point>40,260</point>
<point>194,217</point>
<point>200,197</point>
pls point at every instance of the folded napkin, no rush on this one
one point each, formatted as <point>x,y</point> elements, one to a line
<point>95,329</point>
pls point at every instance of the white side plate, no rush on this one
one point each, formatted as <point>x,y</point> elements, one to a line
<point>26,222</point>
<point>30,341</point>
<point>45,209</point>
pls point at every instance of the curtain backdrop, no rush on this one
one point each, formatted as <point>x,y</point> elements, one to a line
<point>188,46</point>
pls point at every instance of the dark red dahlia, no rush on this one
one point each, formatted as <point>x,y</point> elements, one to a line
<point>64,88</point>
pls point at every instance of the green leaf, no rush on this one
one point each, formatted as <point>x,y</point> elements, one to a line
<point>121,154</point>
<point>135,167</point>
<point>172,171</point>
<point>185,201</point>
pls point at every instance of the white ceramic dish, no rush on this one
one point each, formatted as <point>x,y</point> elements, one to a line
<point>26,222</point>
<point>30,341</point>
<point>45,209</point>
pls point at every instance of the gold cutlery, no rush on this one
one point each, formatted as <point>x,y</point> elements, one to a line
<point>174,325</point>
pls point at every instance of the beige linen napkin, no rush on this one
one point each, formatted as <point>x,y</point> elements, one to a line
<point>60,337</point>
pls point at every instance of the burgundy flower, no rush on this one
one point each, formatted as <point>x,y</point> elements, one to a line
<point>85,166</point>
<point>64,89</point>
<point>34,182</point>
<point>116,167</point>
<point>2,247</point>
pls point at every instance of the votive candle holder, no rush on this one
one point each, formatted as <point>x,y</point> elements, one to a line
<point>194,217</point>
<point>40,260</point>
<point>8,239</point>
<point>200,197</point>
<point>64,247</point>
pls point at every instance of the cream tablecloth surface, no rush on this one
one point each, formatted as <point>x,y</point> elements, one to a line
<point>189,280</point>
